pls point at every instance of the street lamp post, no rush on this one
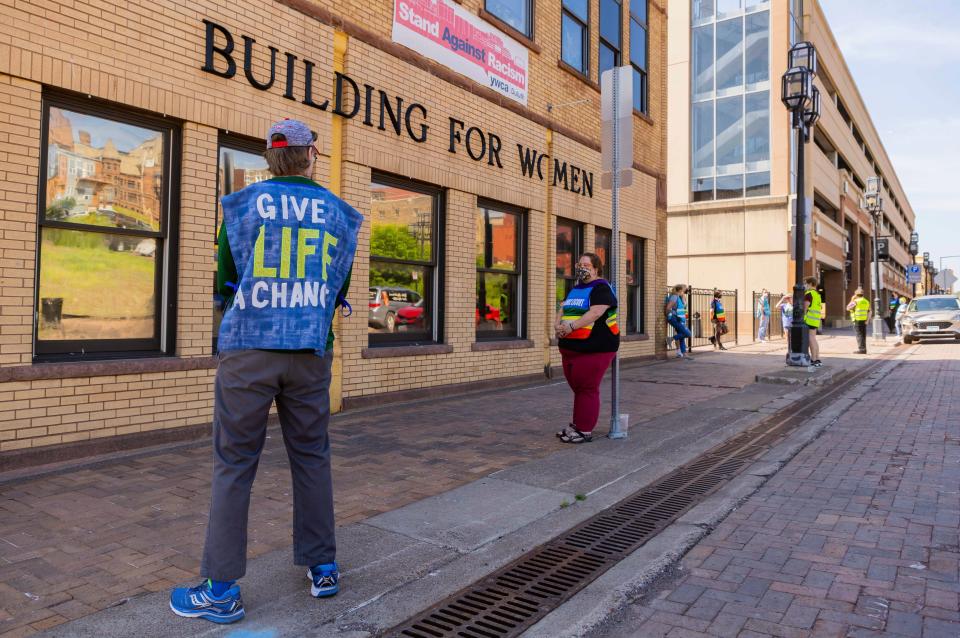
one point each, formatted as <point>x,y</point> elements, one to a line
<point>914,249</point>
<point>874,203</point>
<point>802,99</point>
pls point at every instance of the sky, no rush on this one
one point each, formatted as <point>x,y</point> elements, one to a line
<point>905,59</point>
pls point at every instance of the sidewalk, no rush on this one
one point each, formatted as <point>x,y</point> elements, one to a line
<point>78,541</point>
<point>856,536</point>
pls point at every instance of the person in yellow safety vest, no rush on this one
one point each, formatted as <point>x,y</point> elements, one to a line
<point>812,304</point>
<point>859,308</point>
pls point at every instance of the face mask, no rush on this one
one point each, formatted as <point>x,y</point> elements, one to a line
<point>582,273</point>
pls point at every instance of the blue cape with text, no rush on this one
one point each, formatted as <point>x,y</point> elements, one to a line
<point>293,245</point>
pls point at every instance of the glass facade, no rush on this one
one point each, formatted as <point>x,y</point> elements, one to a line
<point>730,99</point>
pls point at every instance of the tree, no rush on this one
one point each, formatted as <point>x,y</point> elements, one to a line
<point>397,242</point>
<point>59,209</point>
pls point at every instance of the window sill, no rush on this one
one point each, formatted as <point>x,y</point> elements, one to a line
<point>505,344</point>
<point>108,368</point>
<point>643,116</point>
<point>577,74</point>
<point>635,337</point>
<point>522,38</point>
<point>386,352</point>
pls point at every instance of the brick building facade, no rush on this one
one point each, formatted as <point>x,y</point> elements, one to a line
<point>120,123</point>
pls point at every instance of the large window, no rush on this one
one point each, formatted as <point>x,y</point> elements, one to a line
<point>569,249</point>
<point>499,254</point>
<point>105,217</point>
<point>517,13</point>
<point>611,40</point>
<point>601,246</point>
<point>575,34</point>
<point>730,99</point>
<point>635,278</point>
<point>404,253</point>
<point>638,53</point>
<point>240,163</point>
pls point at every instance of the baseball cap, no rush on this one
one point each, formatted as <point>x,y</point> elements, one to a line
<point>294,132</point>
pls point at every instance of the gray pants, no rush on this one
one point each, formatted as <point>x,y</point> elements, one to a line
<point>247,383</point>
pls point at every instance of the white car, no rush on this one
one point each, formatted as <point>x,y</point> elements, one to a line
<point>932,316</point>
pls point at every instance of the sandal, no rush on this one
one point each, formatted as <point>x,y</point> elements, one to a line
<point>576,436</point>
<point>566,431</point>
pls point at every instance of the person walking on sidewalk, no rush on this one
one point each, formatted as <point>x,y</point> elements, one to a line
<point>763,314</point>
<point>588,337</point>
<point>898,318</point>
<point>283,272</point>
<point>859,308</point>
<point>718,317</point>
<point>785,306</point>
<point>811,317</point>
<point>676,313</point>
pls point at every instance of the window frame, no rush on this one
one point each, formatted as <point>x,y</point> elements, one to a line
<point>585,43</point>
<point>639,258</point>
<point>602,41</point>
<point>578,243</point>
<point>520,273</point>
<point>531,19</point>
<point>166,256</point>
<point>644,107</point>
<point>399,339</point>
<point>242,144</point>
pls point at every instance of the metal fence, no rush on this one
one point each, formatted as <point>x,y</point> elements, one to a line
<point>775,327</point>
<point>698,301</point>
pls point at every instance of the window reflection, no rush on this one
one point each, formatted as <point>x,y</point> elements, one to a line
<point>102,172</point>
<point>499,269</point>
<point>729,54</point>
<point>602,246</point>
<point>96,286</point>
<point>569,242</point>
<point>101,233</point>
<point>516,13</point>
<point>236,169</point>
<point>402,264</point>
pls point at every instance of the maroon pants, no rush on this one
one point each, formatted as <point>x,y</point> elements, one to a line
<point>584,371</point>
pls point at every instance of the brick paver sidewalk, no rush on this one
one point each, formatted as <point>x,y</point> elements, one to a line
<point>76,542</point>
<point>856,536</point>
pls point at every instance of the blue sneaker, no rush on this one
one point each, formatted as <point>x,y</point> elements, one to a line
<point>324,580</point>
<point>199,602</point>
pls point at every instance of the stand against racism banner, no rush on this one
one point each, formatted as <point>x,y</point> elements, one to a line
<point>449,34</point>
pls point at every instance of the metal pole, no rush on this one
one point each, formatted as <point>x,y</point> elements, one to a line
<point>877,319</point>
<point>615,431</point>
<point>798,334</point>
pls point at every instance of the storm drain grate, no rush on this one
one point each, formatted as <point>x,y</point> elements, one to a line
<point>512,599</point>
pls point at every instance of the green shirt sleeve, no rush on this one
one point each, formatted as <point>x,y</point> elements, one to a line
<point>226,268</point>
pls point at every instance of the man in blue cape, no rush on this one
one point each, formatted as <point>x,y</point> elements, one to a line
<point>286,250</point>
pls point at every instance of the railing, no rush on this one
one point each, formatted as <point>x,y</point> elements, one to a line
<point>774,328</point>
<point>698,302</point>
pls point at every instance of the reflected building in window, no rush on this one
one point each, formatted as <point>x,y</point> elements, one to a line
<point>731,156</point>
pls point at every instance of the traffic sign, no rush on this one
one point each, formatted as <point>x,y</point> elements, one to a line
<point>914,273</point>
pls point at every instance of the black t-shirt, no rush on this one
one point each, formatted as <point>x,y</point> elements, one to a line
<point>602,338</point>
